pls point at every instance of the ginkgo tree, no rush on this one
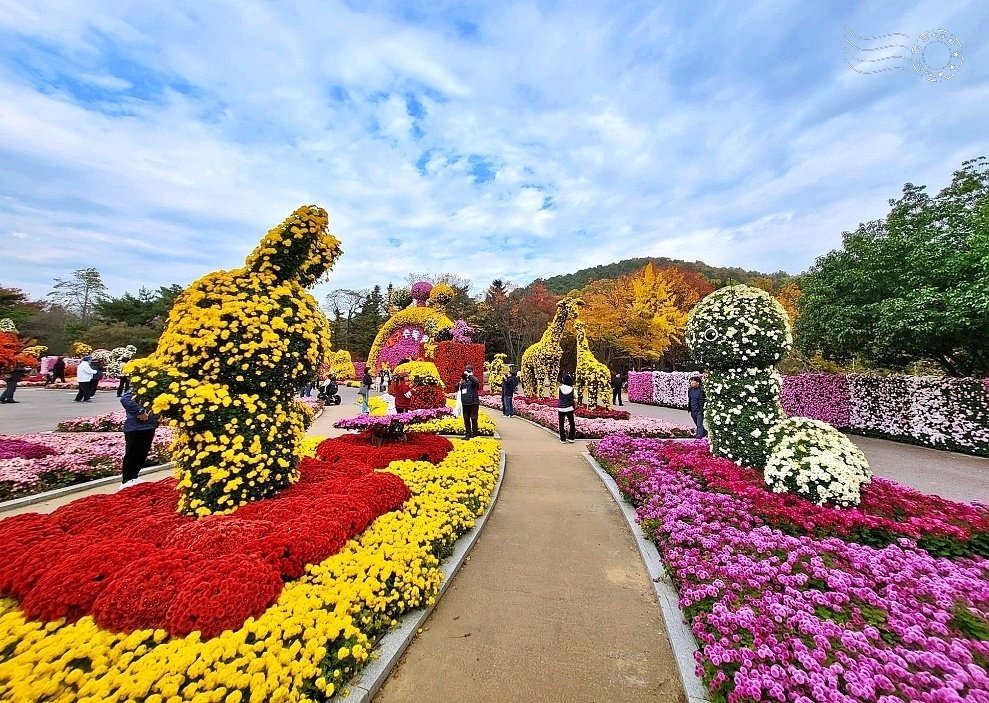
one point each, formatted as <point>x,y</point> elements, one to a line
<point>640,315</point>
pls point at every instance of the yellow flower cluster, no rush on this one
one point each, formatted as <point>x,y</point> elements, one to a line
<point>36,351</point>
<point>441,295</point>
<point>540,368</point>
<point>237,346</point>
<point>417,316</point>
<point>592,377</point>
<point>495,372</point>
<point>81,349</point>
<point>455,425</point>
<point>421,373</point>
<point>303,648</point>
<point>342,365</point>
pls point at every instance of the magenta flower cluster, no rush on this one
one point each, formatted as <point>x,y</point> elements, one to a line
<point>71,458</point>
<point>462,332</point>
<point>945,413</point>
<point>420,291</point>
<point>803,618</point>
<point>391,422</point>
<point>592,428</point>
<point>402,346</point>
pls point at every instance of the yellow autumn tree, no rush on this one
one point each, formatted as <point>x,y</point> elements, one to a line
<point>641,314</point>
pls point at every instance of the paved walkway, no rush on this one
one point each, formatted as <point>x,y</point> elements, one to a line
<point>555,603</point>
<point>947,474</point>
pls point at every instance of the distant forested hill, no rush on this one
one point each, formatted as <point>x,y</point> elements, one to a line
<point>718,275</point>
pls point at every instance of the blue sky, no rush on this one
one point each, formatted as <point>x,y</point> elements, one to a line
<point>159,141</point>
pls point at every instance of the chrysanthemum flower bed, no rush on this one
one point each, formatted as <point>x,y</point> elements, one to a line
<point>595,413</point>
<point>592,428</point>
<point>33,463</point>
<point>785,601</point>
<point>316,634</point>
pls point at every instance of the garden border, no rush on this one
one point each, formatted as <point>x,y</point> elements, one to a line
<point>392,646</point>
<point>24,501</point>
<point>680,636</point>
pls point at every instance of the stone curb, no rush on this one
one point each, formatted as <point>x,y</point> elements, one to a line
<point>391,647</point>
<point>681,638</point>
<point>76,488</point>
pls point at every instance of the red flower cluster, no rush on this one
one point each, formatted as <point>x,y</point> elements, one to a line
<point>130,560</point>
<point>418,446</point>
<point>887,511</point>
<point>425,397</point>
<point>452,357</point>
<point>583,410</point>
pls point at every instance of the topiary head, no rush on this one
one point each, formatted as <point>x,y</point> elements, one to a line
<point>738,327</point>
<point>420,292</point>
<point>300,249</point>
<point>442,295</point>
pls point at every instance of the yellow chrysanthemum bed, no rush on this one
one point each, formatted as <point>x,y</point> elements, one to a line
<point>303,648</point>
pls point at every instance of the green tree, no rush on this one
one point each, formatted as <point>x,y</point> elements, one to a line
<point>911,287</point>
<point>365,324</point>
<point>15,304</point>
<point>79,294</point>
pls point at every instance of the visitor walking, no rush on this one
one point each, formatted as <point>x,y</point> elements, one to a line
<point>695,405</point>
<point>139,433</point>
<point>381,382</point>
<point>566,407</point>
<point>470,401</point>
<point>365,392</point>
<point>95,382</point>
<point>84,376</point>
<point>58,370</point>
<point>616,388</point>
<point>403,392</point>
<point>11,380</point>
<point>508,387</point>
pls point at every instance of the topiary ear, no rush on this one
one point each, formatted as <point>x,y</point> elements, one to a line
<point>299,249</point>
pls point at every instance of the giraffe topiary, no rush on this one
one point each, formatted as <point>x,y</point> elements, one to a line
<point>592,376</point>
<point>740,333</point>
<point>540,369</point>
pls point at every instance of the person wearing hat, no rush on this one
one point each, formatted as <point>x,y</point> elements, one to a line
<point>85,374</point>
<point>695,406</point>
<point>470,401</point>
<point>403,392</point>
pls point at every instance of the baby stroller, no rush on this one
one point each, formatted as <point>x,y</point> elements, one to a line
<point>328,392</point>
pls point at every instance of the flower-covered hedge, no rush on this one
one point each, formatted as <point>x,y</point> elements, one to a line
<point>590,428</point>
<point>944,413</point>
<point>33,463</point>
<point>787,612</point>
<point>305,646</point>
<point>452,357</point>
<point>580,410</point>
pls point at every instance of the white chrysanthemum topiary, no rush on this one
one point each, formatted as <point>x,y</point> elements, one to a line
<point>738,327</point>
<point>740,333</point>
<point>810,458</point>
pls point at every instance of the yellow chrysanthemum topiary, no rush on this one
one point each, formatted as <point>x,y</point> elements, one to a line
<point>342,365</point>
<point>236,347</point>
<point>35,352</point>
<point>421,373</point>
<point>495,372</point>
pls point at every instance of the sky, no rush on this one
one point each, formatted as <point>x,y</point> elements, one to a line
<point>159,141</point>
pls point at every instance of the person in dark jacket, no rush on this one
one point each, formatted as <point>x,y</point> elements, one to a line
<point>508,387</point>
<point>97,377</point>
<point>139,432</point>
<point>695,405</point>
<point>58,370</point>
<point>12,380</point>
<point>616,388</point>
<point>365,392</point>
<point>566,406</point>
<point>470,401</point>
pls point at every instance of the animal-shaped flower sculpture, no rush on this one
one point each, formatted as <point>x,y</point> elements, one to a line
<point>541,361</point>
<point>592,377</point>
<point>740,333</point>
<point>236,347</point>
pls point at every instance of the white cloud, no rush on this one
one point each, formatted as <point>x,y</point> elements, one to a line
<point>651,130</point>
